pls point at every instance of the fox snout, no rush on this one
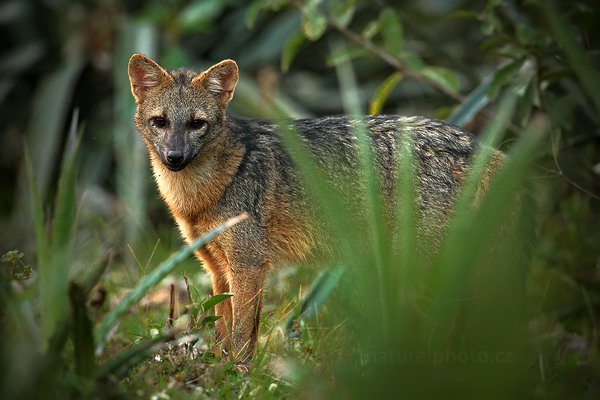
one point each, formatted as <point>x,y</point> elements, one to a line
<point>175,158</point>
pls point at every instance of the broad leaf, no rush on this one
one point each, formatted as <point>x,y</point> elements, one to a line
<point>212,301</point>
<point>391,29</point>
<point>342,11</point>
<point>503,77</point>
<point>314,22</point>
<point>443,76</point>
<point>208,320</point>
<point>290,49</point>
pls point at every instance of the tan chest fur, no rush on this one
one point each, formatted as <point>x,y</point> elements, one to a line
<point>192,193</point>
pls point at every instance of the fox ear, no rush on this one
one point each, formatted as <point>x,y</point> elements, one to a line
<point>144,74</point>
<point>220,80</point>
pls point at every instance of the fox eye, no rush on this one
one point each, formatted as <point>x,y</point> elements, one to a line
<point>197,123</point>
<point>158,122</point>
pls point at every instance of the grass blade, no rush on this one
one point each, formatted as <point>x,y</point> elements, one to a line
<point>377,231</point>
<point>493,214</point>
<point>475,102</point>
<point>54,271</point>
<point>42,244</point>
<point>48,119</point>
<point>83,338</point>
<point>65,202</point>
<point>579,60</point>
<point>318,292</point>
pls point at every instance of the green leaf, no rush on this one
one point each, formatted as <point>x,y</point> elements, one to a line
<point>371,29</point>
<point>463,14</point>
<point>208,320</point>
<point>503,77</point>
<point>342,55</point>
<point>254,10</point>
<point>405,219</point>
<point>443,76</point>
<point>54,248</point>
<point>83,338</point>
<point>526,103</point>
<point>474,102</point>
<point>391,29</point>
<point>259,6</point>
<point>12,256</point>
<point>200,14</point>
<point>412,60</point>
<point>314,22</point>
<point>341,12</point>
<point>213,300</point>
<point>383,92</point>
<point>290,49</point>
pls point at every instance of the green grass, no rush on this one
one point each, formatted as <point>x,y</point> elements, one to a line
<point>182,374</point>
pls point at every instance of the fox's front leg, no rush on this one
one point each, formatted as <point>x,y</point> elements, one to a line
<point>223,309</point>
<point>247,287</point>
<point>215,262</point>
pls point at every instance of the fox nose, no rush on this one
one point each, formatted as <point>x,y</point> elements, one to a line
<point>175,156</point>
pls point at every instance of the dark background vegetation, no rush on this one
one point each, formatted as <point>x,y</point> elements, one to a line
<point>68,59</point>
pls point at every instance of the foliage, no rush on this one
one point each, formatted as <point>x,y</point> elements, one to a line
<point>454,60</point>
<point>57,297</point>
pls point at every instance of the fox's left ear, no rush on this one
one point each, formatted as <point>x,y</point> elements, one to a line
<point>220,80</point>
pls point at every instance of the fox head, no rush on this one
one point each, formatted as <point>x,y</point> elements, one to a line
<point>179,111</point>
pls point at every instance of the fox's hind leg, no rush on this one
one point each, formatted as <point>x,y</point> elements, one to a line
<point>247,287</point>
<point>245,247</point>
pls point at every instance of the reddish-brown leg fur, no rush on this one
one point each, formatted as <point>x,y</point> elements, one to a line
<point>247,287</point>
<point>220,284</point>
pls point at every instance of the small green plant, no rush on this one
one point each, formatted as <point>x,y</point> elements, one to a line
<point>13,266</point>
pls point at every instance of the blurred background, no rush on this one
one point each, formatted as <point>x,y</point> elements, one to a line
<point>63,73</point>
<point>62,57</point>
